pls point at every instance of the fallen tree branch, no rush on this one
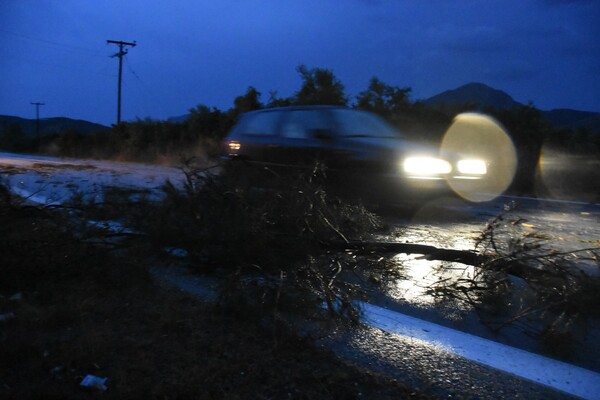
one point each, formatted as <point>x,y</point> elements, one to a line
<point>506,264</point>
<point>430,252</point>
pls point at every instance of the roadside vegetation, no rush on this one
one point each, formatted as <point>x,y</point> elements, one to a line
<point>72,308</point>
<point>271,236</point>
<point>274,238</point>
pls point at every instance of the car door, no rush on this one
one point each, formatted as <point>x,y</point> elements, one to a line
<point>306,137</point>
<point>257,136</point>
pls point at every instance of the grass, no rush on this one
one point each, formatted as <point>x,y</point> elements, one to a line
<point>80,309</point>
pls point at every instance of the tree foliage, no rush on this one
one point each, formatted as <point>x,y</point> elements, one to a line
<point>13,139</point>
<point>249,101</point>
<point>206,124</point>
<point>383,99</point>
<point>393,103</point>
<point>275,101</point>
<point>319,86</point>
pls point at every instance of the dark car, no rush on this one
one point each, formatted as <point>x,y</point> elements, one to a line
<point>354,145</point>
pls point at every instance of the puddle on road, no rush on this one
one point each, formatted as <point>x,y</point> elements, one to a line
<point>420,272</point>
<point>452,236</point>
<point>421,275</point>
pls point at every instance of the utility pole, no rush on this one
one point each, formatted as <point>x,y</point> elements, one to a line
<point>120,54</point>
<point>37,117</point>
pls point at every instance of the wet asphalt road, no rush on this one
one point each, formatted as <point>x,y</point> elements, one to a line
<point>453,224</point>
<point>429,369</point>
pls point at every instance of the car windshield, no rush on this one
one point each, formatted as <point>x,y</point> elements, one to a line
<point>260,124</point>
<point>301,124</point>
<point>354,123</point>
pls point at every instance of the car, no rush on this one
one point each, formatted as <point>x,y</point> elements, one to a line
<point>356,147</point>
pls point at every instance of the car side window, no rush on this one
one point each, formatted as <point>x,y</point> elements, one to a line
<point>293,130</point>
<point>261,124</point>
<point>359,123</point>
<point>301,124</point>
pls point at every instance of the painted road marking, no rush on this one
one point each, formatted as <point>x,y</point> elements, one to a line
<point>559,201</point>
<point>534,367</point>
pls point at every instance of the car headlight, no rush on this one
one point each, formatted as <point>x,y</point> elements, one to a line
<point>234,146</point>
<point>472,167</point>
<point>426,166</point>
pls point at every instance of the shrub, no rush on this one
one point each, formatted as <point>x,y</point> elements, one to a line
<point>267,233</point>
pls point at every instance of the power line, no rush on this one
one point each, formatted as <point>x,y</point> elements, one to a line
<point>30,61</point>
<point>120,54</point>
<point>146,95</point>
<point>131,69</point>
<point>81,50</point>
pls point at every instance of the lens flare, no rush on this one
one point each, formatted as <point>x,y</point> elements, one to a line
<point>474,167</point>
<point>474,136</point>
<point>569,175</point>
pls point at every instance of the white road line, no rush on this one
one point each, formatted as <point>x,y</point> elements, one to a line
<point>574,202</point>
<point>545,371</point>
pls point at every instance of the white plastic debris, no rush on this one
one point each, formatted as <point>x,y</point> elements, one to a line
<point>177,252</point>
<point>57,370</point>
<point>95,382</point>
<point>16,297</point>
<point>7,316</point>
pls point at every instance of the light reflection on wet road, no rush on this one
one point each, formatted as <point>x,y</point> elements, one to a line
<point>561,226</point>
<point>422,272</point>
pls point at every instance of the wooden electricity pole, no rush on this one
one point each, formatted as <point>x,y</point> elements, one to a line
<point>37,117</point>
<point>120,54</point>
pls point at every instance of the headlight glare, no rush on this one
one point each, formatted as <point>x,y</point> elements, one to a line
<point>426,166</point>
<point>234,146</point>
<point>472,167</point>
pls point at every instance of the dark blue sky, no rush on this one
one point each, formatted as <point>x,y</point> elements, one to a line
<point>194,52</point>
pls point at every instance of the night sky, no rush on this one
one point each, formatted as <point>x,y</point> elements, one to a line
<point>193,52</point>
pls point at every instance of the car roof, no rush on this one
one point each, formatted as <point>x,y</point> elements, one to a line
<point>302,107</point>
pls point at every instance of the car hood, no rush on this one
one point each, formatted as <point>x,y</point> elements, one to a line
<point>396,146</point>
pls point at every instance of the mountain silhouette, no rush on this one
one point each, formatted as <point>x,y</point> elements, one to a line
<point>50,125</point>
<point>480,96</point>
<point>477,94</point>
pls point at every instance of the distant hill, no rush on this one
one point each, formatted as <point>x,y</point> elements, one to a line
<point>482,96</point>
<point>50,125</point>
<point>565,118</point>
<point>473,93</point>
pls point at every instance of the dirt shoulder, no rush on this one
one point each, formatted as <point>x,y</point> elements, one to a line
<point>73,309</point>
